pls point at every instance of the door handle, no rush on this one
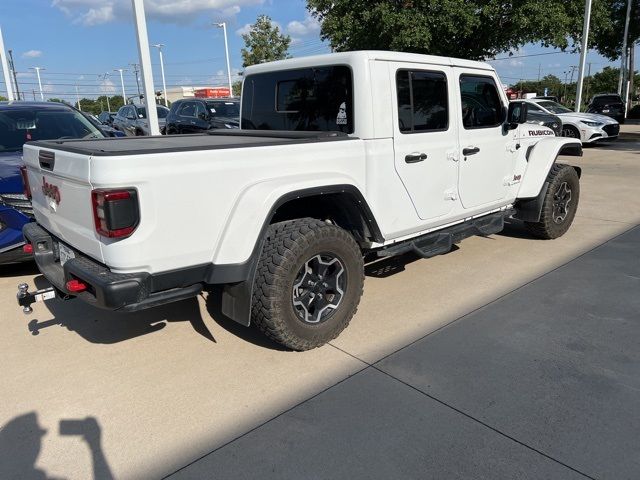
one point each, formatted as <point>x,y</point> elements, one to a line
<point>415,157</point>
<point>470,151</point>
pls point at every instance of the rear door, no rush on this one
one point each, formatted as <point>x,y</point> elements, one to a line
<point>61,196</point>
<point>485,162</point>
<point>186,115</point>
<point>425,137</point>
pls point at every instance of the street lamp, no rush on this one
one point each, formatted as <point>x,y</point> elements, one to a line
<point>37,69</point>
<point>164,85</point>
<point>124,95</point>
<point>223,25</point>
<point>5,68</point>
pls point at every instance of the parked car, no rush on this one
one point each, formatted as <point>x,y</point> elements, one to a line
<point>609,104</point>
<point>588,127</point>
<point>105,129</point>
<point>335,169</point>
<point>132,119</point>
<point>198,115</point>
<point>21,122</point>
<point>545,119</point>
<point>106,118</point>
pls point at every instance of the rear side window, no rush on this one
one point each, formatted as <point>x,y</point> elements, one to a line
<point>422,101</point>
<point>187,109</point>
<point>308,99</point>
<point>481,105</point>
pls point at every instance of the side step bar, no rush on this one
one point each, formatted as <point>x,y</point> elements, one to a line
<point>440,242</point>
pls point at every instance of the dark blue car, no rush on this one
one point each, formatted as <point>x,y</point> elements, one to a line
<point>21,122</point>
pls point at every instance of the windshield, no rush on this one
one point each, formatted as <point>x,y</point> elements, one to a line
<point>554,107</point>
<point>18,126</point>
<point>607,99</point>
<point>225,109</point>
<point>162,111</point>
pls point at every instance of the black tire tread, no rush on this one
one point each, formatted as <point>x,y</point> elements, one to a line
<point>542,229</point>
<point>269,280</point>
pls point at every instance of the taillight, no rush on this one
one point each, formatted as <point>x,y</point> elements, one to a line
<point>76,286</point>
<point>115,212</point>
<point>25,182</point>
<point>27,248</point>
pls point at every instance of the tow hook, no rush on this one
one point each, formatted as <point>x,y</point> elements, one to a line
<point>26,298</point>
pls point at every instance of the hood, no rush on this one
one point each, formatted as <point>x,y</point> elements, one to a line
<point>589,117</point>
<point>10,177</point>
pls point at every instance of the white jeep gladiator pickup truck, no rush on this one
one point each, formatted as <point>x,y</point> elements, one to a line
<point>338,156</point>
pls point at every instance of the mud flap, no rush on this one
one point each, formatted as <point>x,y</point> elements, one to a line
<point>529,210</point>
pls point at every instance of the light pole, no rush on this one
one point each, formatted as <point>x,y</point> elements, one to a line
<point>145,66</point>
<point>623,61</point>
<point>223,25</point>
<point>124,95</point>
<point>78,99</point>
<point>584,47</point>
<point>5,68</point>
<point>37,69</point>
<point>164,85</point>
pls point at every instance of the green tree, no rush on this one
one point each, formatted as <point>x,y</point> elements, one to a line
<point>237,88</point>
<point>606,81</point>
<point>264,43</point>
<point>473,29</point>
<point>607,33</point>
<point>3,99</point>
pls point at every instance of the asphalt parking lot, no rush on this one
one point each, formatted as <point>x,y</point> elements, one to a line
<point>507,358</point>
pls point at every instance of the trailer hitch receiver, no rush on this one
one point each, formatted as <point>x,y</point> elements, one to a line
<point>26,298</point>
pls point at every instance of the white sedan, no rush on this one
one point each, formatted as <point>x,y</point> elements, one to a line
<point>588,127</point>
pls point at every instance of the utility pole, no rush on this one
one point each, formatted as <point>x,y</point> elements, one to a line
<point>164,85</point>
<point>37,69</point>
<point>566,76</point>
<point>223,25</point>
<point>623,61</point>
<point>5,68</point>
<point>628,94</point>
<point>584,47</point>
<point>124,95</point>
<point>135,71</point>
<point>104,77</point>
<point>15,76</point>
<point>78,98</point>
<point>145,66</point>
<point>588,81</point>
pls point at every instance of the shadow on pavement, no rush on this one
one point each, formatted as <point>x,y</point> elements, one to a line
<point>107,327</point>
<point>21,442</point>
<point>18,269</point>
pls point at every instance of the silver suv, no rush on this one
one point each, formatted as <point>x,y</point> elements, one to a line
<point>132,120</point>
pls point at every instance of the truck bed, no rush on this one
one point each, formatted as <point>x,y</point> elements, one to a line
<point>214,140</point>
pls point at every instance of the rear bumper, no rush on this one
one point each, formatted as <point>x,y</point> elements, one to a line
<point>106,289</point>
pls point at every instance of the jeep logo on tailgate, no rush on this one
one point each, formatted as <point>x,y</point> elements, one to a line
<point>50,190</point>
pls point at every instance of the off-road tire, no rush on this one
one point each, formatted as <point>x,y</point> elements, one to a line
<point>287,247</point>
<point>547,228</point>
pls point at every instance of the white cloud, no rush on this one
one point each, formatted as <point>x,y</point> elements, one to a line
<point>96,12</point>
<point>308,26</point>
<point>246,28</point>
<point>107,86</point>
<point>32,54</point>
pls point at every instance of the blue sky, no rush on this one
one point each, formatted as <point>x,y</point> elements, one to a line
<point>78,40</point>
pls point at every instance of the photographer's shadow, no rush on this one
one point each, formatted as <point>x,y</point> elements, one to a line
<point>107,327</point>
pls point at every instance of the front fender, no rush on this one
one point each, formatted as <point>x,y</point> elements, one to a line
<point>254,206</point>
<point>540,157</point>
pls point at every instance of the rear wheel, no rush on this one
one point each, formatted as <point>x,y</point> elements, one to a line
<point>308,283</point>
<point>559,205</point>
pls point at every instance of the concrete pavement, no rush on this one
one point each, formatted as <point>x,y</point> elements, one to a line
<point>165,387</point>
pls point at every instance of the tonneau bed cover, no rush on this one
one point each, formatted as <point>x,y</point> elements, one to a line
<point>214,140</point>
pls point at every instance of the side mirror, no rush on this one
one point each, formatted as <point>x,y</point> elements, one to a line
<point>202,116</point>
<point>517,114</point>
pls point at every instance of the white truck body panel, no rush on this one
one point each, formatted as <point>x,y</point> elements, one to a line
<point>209,205</point>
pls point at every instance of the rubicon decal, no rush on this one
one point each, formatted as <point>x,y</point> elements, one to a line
<point>51,191</point>
<point>539,133</point>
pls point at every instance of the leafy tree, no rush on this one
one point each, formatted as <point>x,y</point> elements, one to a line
<point>57,100</point>
<point>607,33</point>
<point>237,88</point>
<point>606,81</point>
<point>264,43</point>
<point>3,99</point>
<point>473,29</point>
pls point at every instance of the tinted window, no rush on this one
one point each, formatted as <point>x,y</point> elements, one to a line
<point>481,105</point>
<point>534,108</point>
<point>607,99</point>
<point>200,111</point>
<point>225,109</point>
<point>22,125</point>
<point>162,111</point>
<point>422,101</point>
<point>187,109</point>
<point>309,99</point>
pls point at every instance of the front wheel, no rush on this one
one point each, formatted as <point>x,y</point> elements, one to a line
<point>308,283</point>
<point>570,131</point>
<point>560,203</point>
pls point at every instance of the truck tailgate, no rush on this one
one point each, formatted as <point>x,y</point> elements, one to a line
<point>61,195</point>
